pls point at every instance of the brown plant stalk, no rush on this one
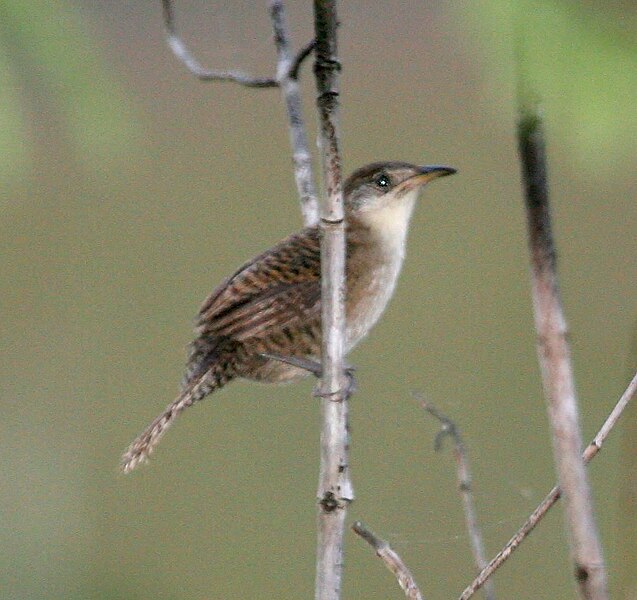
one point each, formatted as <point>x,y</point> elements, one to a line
<point>555,359</point>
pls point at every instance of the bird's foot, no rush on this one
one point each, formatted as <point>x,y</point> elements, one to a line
<point>349,387</point>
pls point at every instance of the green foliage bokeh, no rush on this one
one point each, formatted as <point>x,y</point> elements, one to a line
<point>582,60</point>
<point>55,58</point>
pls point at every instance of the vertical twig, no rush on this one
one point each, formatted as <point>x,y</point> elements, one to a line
<point>554,352</point>
<point>287,76</point>
<point>465,487</point>
<point>392,561</point>
<point>552,497</point>
<point>335,488</point>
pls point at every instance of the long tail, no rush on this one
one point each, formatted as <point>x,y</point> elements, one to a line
<point>145,443</point>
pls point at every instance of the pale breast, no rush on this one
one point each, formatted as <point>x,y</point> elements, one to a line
<point>374,265</point>
<point>369,293</point>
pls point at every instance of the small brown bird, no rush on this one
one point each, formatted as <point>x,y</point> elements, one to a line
<point>272,304</point>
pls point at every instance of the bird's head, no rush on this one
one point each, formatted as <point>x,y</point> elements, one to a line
<point>384,184</point>
<point>382,195</point>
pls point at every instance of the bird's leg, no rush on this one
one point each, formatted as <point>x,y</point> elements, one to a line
<point>314,368</point>
<point>307,364</point>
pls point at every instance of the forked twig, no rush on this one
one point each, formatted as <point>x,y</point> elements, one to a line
<point>192,64</point>
<point>465,486</point>
<point>287,74</point>
<point>552,497</point>
<point>392,561</point>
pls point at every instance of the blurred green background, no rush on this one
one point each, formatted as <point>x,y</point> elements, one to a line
<point>128,190</point>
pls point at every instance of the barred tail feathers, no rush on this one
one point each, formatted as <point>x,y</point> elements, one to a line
<point>139,451</point>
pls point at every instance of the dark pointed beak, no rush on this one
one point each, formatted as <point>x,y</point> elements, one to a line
<point>433,171</point>
<point>424,175</point>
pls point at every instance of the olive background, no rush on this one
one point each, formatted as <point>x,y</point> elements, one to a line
<point>129,190</point>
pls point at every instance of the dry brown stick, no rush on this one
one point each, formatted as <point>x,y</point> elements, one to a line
<point>392,561</point>
<point>465,487</point>
<point>335,488</point>
<point>555,359</point>
<point>287,76</point>
<point>552,497</point>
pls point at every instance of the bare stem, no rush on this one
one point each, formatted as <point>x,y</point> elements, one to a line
<point>552,497</point>
<point>392,561</point>
<point>335,488</point>
<point>287,76</point>
<point>555,360</point>
<point>465,487</point>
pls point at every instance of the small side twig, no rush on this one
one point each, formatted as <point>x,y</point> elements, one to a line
<point>552,497</point>
<point>465,486</point>
<point>301,55</point>
<point>392,561</point>
<point>287,76</point>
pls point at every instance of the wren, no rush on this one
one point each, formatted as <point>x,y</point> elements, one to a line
<point>272,304</point>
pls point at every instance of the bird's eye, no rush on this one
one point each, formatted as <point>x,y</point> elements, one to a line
<point>382,181</point>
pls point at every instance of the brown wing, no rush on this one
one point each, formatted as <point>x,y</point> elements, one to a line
<point>277,290</point>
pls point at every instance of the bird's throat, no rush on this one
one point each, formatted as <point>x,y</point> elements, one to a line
<point>376,249</point>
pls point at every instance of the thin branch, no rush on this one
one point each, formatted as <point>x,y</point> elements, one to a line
<point>553,350</point>
<point>392,561</point>
<point>552,497</point>
<point>287,76</point>
<point>192,64</point>
<point>183,54</point>
<point>465,487</point>
<point>598,441</point>
<point>335,488</point>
